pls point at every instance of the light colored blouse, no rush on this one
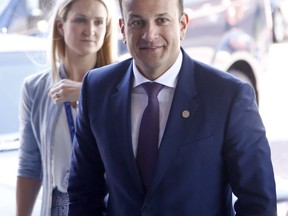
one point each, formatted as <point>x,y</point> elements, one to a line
<point>62,151</point>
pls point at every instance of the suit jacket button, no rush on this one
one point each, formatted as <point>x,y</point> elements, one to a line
<point>146,208</point>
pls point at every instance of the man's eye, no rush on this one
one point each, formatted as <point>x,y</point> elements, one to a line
<point>162,21</point>
<point>136,24</point>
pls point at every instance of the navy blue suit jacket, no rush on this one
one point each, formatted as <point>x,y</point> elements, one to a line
<point>221,144</point>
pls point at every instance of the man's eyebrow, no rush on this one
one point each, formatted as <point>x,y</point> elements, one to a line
<point>131,15</point>
<point>161,14</point>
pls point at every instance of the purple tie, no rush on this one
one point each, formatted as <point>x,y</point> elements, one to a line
<point>149,133</point>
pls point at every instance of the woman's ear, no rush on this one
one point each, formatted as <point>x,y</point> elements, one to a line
<point>59,25</point>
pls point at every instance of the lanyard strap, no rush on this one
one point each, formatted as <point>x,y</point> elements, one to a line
<point>70,119</point>
<point>68,109</point>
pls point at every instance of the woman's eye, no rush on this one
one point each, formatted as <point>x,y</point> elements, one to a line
<point>80,20</point>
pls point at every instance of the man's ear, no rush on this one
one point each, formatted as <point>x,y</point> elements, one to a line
<point>122,29</point>
<point>184,21</point>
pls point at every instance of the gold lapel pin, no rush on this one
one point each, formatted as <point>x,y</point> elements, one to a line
<point>185,114</point>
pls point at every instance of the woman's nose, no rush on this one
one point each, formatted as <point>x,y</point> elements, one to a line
<point>90,29</point>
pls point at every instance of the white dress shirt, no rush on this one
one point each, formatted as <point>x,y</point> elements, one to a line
<point>139,98</point>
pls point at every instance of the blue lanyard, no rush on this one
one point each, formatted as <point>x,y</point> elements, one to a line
<point>68,109</point>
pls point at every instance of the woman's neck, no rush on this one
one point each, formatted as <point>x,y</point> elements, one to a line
<point>77,68</point>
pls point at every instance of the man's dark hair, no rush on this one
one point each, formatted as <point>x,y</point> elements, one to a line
<point>181,7</point>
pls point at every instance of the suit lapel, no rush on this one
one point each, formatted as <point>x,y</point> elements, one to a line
<point>121,105</point>
<point>181,115</point>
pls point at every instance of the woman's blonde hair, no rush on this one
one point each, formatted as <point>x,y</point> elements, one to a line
<point>106,54</point>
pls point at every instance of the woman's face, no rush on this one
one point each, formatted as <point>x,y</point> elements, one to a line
<point>85,27</point>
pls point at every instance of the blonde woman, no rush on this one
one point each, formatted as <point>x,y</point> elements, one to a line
<point>82,39</point>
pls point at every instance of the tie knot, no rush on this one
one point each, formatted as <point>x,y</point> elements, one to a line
<point>152,89</point>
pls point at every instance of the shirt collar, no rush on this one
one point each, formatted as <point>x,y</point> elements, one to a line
<point>169,78</point>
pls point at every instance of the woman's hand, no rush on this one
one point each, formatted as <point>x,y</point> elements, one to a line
<point>65,90</point>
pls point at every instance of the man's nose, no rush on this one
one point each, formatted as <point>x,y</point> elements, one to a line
<point>150,32</point>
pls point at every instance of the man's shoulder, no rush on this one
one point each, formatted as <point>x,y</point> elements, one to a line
<point>190,63</point>
<point>205,73</point>
<point>109,73</point>
<point>112,68</point>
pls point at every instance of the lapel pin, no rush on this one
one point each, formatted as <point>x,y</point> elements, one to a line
<point>185,114</point>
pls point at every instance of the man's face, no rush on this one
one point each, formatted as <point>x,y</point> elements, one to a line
<point>153,30</point>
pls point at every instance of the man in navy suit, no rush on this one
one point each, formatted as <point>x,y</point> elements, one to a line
<point>212,140</point>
